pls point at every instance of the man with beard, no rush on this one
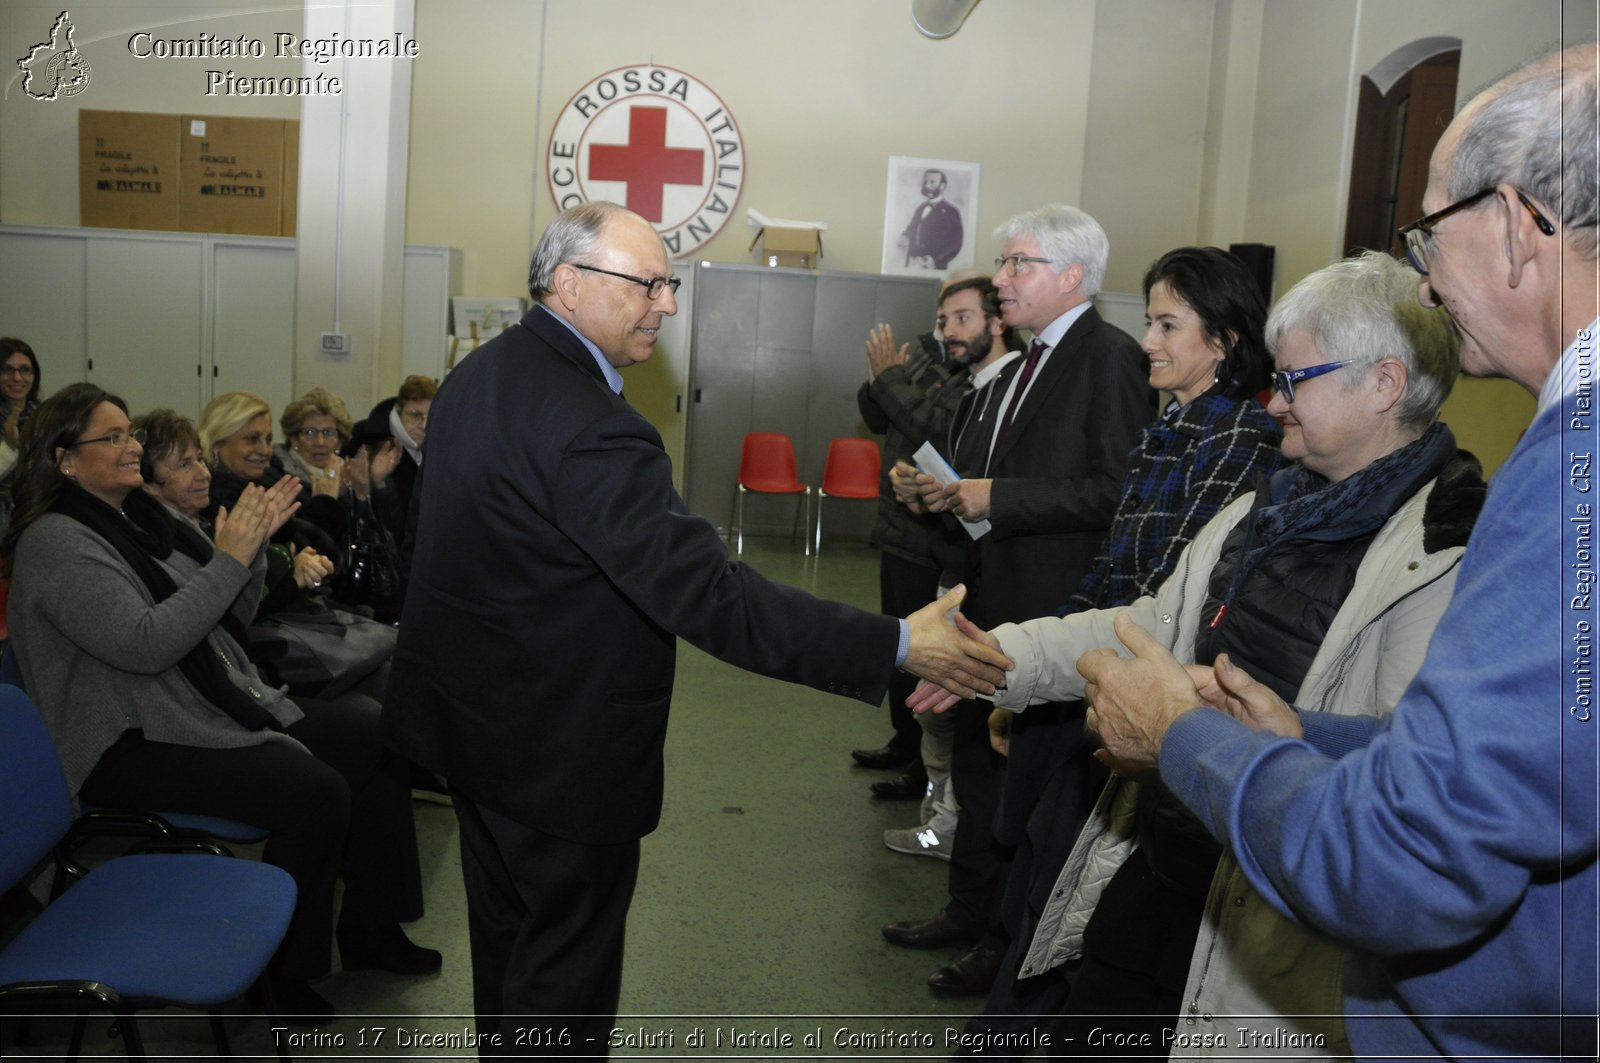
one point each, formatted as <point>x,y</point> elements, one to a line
<point>914,401</point>
<point>934,236</point>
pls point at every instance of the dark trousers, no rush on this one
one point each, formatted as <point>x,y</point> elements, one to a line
<point>977,863</point>
<point>1050,787</point>
<point>903,588</point>
<point>546,917</point>
<point>345,810</point>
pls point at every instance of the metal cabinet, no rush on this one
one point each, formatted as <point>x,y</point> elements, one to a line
<point>783,350</point>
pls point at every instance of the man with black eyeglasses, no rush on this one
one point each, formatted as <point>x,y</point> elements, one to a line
<point>555,568</point>
<point>1452,846</point>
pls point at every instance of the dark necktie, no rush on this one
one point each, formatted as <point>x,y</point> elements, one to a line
<point>1036,350</point>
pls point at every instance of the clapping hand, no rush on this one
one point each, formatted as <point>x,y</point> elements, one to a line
<point>1228,687</point>
<point>256,516</point>
<point>1132,701</point>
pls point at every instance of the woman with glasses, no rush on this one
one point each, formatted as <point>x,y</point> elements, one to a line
<point>314,427</point>
<point>127,623</point>
<point>19,394</point>
<point>1328,580</point>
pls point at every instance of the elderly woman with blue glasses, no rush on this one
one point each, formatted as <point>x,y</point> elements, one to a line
<point>1328,579</point>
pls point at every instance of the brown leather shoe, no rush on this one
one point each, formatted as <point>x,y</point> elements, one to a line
<point>970,976</point>
<point>933,933</point>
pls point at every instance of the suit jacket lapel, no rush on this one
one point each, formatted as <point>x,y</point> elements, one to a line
<point>1054,372</point>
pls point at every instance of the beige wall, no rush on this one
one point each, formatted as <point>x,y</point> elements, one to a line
<point>1312,54</point>
<point>1173,121</point>
<point>838,87</point>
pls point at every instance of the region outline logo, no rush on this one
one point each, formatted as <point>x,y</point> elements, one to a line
<point>65,72</point>
<point>657,140</point>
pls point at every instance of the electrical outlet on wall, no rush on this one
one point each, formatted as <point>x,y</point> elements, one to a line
<point>336,343</point>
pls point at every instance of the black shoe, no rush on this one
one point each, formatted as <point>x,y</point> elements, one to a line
<point>383,947</point>
<point>907,786</point>
<point>970,976</point>
<point>886,759</point>
<point>933,933</point>
<point>295,1002</point>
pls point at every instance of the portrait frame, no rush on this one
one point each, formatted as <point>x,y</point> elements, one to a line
<point>904,198</point>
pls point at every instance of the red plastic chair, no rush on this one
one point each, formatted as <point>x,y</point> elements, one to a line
<point>767,466</point>
<point>850,471</point>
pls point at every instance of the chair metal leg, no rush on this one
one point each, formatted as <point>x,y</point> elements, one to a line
<point>738,521</point>
<point>220,1035</point>
<point>132,1043</point>
<point>75,1042</point>
<point>805,513</point>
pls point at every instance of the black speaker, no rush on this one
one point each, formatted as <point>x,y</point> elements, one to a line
<point>1258,259</point>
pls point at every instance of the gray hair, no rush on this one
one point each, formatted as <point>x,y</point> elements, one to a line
<point>1364,310</point>
<point>1067,235</point>
<point>1536,131</point>
<point>574,234</point>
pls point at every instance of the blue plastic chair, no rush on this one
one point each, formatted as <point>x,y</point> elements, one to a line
<point>175,825</point>
<point>144,931</point>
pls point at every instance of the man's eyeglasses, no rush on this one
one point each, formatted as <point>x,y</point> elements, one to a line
<point>1283,380</point>
<point>414,417</point>
<point>652,285</point>
<point>1419,234</point>
<point>118,438</point>
<point>331,432</point>
<point>1013,264</point>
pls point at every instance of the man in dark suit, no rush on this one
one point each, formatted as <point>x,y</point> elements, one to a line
<point>554,569</point>
<point>1055,464</point>
<point>934,234</point>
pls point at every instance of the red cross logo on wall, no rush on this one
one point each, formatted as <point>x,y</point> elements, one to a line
<point>611,142</point>
<point>645,163</point>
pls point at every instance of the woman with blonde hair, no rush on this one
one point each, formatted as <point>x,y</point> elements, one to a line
<point>236,441</point>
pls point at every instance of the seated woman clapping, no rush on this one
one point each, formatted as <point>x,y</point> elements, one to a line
<point>127,624</point>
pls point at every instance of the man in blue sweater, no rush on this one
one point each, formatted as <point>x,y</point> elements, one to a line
<point>1451,846</point>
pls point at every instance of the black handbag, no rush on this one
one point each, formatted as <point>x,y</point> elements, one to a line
<point>323,652</point>
<point>370,576</point>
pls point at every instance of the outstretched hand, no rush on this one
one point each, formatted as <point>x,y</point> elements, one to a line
<point>959,663</point>
<point>1133,701</point>
<point>931,697</point>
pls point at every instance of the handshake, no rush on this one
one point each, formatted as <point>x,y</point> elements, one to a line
<point>951,652</point>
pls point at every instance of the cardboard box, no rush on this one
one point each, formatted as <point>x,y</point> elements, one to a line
<point>232,175</point>
<point>801,248</point>
<point>128,170</point>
